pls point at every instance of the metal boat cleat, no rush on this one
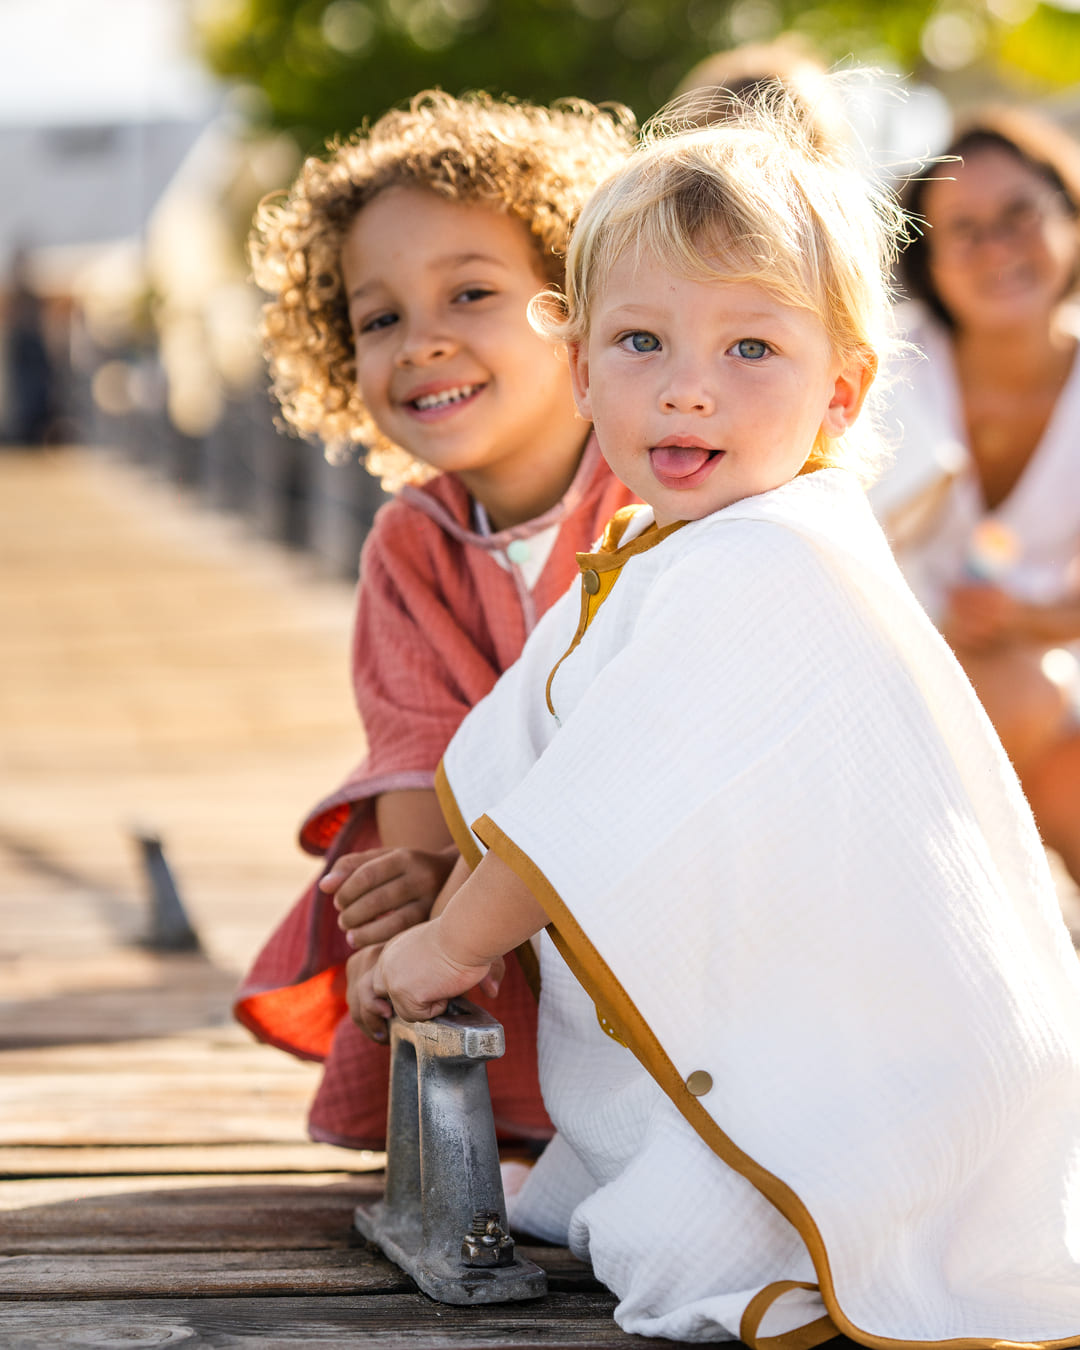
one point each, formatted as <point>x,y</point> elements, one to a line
<point>443,1215</point>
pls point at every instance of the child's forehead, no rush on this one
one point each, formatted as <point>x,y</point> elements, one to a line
<point>410,216</point>
<point>642,275</point>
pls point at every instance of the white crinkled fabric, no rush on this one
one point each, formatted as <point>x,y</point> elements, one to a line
<point>773,818</point>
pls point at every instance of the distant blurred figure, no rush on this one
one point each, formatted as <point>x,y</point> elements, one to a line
<point>983,501</point>
<point>28,368</point>
<point>881,124</point>
<point>716,87</point>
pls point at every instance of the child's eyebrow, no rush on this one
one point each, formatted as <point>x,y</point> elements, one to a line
<point>754,316</point>
<point>444,263</point>
<point>463,259</point>
<point>630,310</point>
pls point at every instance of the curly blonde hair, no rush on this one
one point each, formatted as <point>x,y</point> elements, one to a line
<point>537,164</point>
<point>750,199</point>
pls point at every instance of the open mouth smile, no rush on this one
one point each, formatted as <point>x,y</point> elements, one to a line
<point>439,401</point>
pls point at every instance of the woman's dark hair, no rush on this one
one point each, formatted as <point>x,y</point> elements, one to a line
<point>1037,143</point>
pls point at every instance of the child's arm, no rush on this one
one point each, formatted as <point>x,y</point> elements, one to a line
<point>383,891</point>
<point>490,914</point>
<point>412,818</point>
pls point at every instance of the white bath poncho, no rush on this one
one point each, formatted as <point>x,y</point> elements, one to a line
<point>784,854</point>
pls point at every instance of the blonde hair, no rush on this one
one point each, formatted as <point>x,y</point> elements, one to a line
<point>751,200</point>
<point>536,164</point>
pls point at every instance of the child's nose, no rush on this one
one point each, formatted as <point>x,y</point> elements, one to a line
<point>687,396</point>
<point>420,345</point>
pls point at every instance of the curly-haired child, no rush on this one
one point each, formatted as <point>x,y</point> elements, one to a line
<point>809,1017</point>
<point>400,267</point>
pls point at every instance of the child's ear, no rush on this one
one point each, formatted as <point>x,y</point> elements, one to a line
<point>578,358</point>
<point>853,382</point>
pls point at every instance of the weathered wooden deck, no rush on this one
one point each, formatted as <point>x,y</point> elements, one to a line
<point>163,669</point>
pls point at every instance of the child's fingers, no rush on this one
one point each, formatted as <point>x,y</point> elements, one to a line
<point>417,1010</point>
<point>417,975</point>
<point>370,1011</point>
<point>385,880</point>
<point>410,1004</point>
<point>372,1016</point>
<point>355,912</point>
<point>492,981</point>
<point>344,868</point>
<point>363,931</point>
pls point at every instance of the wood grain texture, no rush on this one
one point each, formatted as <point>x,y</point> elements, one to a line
<point>200,1274</point>
<point>348,1322</point>
<point>198,1087</point>
<point>166,1214</point>
<point>360,1269</point>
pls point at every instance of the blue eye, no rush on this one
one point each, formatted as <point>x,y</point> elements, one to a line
<point>643,342</point>
<point>752,349</point>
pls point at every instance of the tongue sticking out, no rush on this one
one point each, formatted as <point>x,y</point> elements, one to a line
<point>679,461</point>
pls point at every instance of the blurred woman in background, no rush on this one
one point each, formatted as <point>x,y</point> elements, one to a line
<point>983,501</point>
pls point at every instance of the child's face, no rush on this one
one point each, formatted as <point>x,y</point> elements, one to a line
<point>446,361</point>
<point>706,391</point>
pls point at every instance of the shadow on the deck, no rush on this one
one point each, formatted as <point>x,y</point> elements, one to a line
<point>174,993</point>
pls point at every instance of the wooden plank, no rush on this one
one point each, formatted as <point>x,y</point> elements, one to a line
<point>378,1322</point>
<point>206,1087</point>
<point>201,1274</point>
<point>209,1274</point>
<point>117,1111</point>
<point>200,1160</point>
<point>222,1050</point>
<point>167,1214</point>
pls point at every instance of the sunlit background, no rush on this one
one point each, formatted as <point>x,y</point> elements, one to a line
<point>137,136</point>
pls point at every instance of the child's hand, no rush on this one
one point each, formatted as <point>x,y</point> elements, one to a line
<point>384,891</point>
<point>366,1010</point>
<point>417,977</point>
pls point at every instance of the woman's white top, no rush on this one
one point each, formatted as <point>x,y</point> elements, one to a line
<point>930,500</point>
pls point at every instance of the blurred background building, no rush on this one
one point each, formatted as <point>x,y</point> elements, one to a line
<point>136,137</point>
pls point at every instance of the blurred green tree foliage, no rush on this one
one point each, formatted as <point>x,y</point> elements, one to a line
<point>325,65</point>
